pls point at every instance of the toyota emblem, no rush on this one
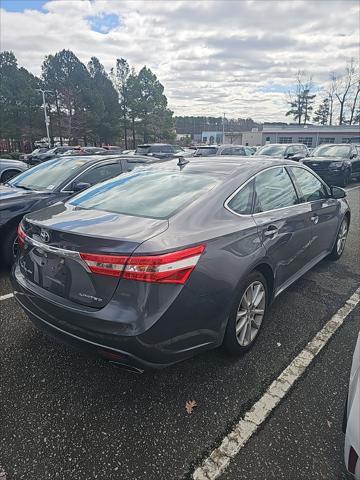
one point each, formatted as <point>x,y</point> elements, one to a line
<point>44,235</point>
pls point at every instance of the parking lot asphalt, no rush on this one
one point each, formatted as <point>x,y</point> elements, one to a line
<point>67,416</point>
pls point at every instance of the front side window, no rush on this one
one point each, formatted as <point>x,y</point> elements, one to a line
<point>242,202</point>
<point>274,189</point>
<point>146,193</point>
<point>311,187</point>
<point>227,151</point>
<point>100,173</point>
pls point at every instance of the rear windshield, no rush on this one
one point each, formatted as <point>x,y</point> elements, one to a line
<point>146,193</point>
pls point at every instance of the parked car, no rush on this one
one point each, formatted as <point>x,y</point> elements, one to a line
<point>79,151</point>
<point>295,151</point>
<point>351,424</point>
<point>337,164</point>
<point>167,261</point>
<point>10,168</point>
<point>182,151</point>
<point>39,157</point>
<point>212,150</point>
<point>34,153</point>
<point>49,183</point>
<point>159,150</point>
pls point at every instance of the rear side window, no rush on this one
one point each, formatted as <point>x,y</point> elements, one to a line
<point>242,202</point>
<point>311,188</point>
<point>274,189</point>
<point>146,193</point>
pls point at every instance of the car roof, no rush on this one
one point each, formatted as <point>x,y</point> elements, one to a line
<point>153,144</point>
<point>224,166</point>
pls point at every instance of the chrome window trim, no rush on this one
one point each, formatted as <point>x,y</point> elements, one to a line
<point>304,167</point>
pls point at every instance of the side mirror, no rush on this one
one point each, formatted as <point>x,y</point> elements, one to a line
<point>353,155</point>
<point>337,192</point>
<point>297,156</point>
<point>80,186</point>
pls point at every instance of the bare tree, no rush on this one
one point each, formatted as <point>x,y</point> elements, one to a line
<point>355,105</point>
<point>343,88</point>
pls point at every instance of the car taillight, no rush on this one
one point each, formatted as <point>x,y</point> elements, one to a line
<point>174,267</point>
<point>353,458</point>
<point>111,265</point>
<point>21,235</point>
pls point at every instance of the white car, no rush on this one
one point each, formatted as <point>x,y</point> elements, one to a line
<point>352,417</point>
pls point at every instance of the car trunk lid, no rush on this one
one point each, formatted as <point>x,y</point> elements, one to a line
<point>56,238</point>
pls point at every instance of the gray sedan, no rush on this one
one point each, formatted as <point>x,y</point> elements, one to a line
<point>163,262</point>
<point>9,168</point>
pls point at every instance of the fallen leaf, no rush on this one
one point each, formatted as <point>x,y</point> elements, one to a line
<point>329,423</point>
<point>190,405</point>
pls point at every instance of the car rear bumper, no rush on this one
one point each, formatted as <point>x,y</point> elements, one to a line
<point>91,330</point>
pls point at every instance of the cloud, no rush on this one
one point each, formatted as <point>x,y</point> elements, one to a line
<point>237,57</point>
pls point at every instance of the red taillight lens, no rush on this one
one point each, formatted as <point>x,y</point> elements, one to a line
<point>353,458</point>
<point>111,265</point>
<point>21,236</point>
<point>174,267</point>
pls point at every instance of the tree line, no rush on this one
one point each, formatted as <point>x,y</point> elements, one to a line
<point>84,102</point>
<point>338,103</point>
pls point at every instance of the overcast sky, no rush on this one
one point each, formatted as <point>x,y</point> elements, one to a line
<point>238,57</point>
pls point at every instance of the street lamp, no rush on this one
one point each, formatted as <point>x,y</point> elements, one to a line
<point>47,121</point>
<point>223,129</point>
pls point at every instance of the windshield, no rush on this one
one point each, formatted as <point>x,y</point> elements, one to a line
<point>272,150</point>
<point>331,151</point>
<point>142,150</point>
<point>205,151</point>
<point>47,176</point>
<point>146,193</point>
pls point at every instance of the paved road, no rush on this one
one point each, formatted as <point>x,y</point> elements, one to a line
<point>66,416</point>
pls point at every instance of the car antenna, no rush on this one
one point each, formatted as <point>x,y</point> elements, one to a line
<point>182,162</point>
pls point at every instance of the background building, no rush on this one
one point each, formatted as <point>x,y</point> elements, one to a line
<point>311,135</point>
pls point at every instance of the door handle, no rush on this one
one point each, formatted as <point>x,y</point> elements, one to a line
<point>315,218</point>
<point>271,231</point>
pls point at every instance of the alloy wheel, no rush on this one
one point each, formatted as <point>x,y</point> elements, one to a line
<point>250,313</point>
<point>341,239</point>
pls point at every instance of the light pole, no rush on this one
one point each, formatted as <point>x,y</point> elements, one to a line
<point>47,121</point>
<point>223,129</point>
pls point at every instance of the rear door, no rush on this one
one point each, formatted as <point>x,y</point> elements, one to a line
<point>283,222</point>
<point>324,211</point>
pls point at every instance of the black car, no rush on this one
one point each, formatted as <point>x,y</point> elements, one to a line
<point>230,149</point>
<point>159,150</point>
<point>337,164</point>
<point>49,183</point>
<point>295,151</point>
<point>42,156</point>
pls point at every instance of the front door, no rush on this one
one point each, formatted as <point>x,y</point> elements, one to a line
<point>284,224</point>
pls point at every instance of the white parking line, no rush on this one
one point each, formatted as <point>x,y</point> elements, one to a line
<point>5,297</point>
<point>214,465</point>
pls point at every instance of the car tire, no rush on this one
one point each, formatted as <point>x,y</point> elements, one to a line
<point>341,236</point>
<point>244,324</point>
<point>8,245</point>
<point>8,175</point>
